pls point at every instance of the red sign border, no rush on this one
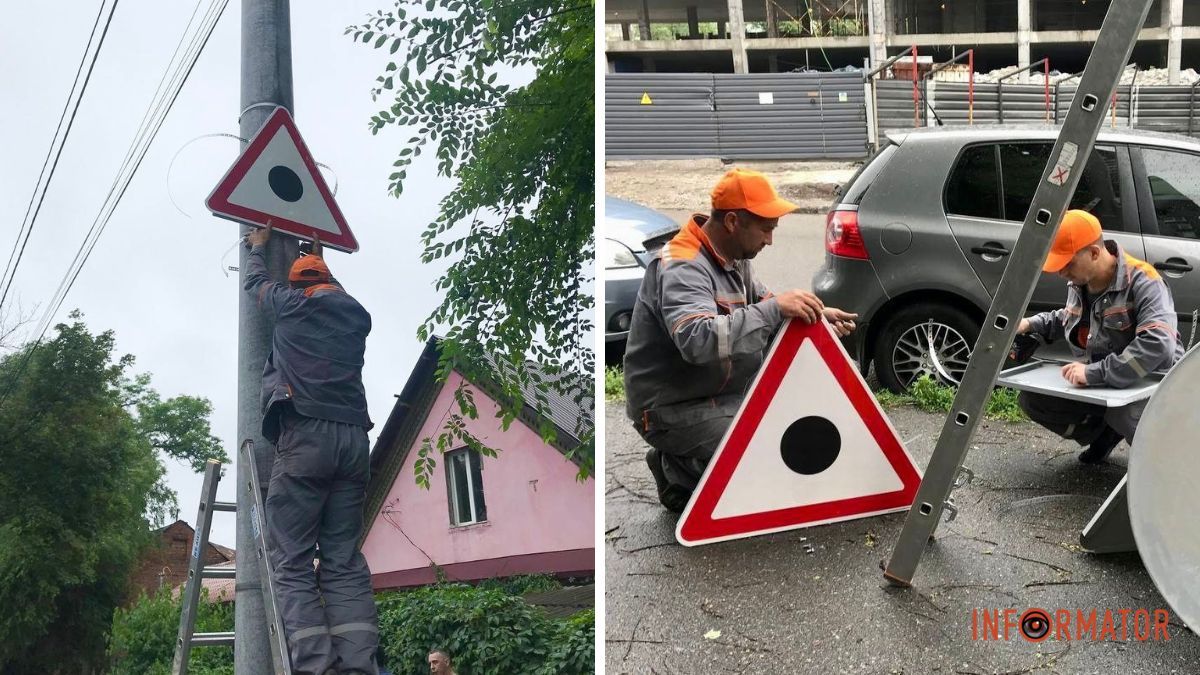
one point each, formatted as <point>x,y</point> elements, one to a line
<point>218,202</point>
<point>697,525</point>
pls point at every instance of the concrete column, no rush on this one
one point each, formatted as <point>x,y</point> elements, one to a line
<point>878,27</point>
<point>1024,21</point>
<point>1173,11</point>
<point>644,20</point>
<point>720,30</point>
<point>773,63</point>
<point>772,21</point>
<point>625,31</point>
<point>693,22</point>
<point>737,33</point>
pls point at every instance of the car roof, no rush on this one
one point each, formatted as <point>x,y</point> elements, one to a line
<point>632,224</point>
<point>1034,132</point>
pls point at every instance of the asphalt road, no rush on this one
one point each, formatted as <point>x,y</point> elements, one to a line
<point>783,609</point>
<point>815,600</point>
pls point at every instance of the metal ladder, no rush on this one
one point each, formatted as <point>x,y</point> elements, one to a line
<point>280,659</point>
<point>1059,179</point>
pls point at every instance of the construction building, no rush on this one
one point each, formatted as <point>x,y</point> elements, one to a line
<point>763,36</point>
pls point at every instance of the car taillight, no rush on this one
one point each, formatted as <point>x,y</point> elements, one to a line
<point>842,236</point>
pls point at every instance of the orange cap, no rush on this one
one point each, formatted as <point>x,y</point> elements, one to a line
<point>749,190</point>
<point>1078,230</point>
<point>309,268</point>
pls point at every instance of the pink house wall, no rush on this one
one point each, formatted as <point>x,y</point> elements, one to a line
<point>540,518</point>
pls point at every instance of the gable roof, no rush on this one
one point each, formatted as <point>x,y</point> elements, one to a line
<point>414,402</point>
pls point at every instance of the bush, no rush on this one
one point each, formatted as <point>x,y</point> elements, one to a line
<point>143,637</point>
<point>486,631</point>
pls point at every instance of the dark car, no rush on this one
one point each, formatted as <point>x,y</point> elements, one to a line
<point>631,235</point>
<point>918,239</point>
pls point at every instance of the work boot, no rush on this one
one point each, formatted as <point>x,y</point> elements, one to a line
<point>673,497</point>
<point>1101,447</point>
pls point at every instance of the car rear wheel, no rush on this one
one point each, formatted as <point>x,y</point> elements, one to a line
<point>927,338</point>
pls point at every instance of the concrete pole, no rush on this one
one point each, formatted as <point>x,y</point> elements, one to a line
<point>737,33</point>
<point>266,82</point>
<point>1024,23</point>
<point>878,29</point>
<point>693,14</point>
<point>625,31</point>
<point>772,20</point>
<point>1174,38</point>
<point>644,20</point>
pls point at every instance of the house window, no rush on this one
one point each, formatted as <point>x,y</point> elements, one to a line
<point>464,475</point>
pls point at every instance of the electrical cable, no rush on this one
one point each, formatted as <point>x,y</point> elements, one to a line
<point>109,206</point>
<point>27,223</point>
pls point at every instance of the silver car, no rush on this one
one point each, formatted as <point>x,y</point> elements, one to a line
<point>631,235</point>
<point>918,239</point>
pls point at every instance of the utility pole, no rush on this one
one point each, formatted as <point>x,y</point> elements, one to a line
<point>266,83</point>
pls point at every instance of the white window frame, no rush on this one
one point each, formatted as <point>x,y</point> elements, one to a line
<point>451,486</point>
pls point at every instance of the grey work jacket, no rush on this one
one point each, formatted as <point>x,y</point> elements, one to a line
<point>317,350</point>
<point>700,328</point>
<point>1132,329</point>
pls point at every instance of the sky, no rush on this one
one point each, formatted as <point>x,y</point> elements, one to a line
<point>155,277</point>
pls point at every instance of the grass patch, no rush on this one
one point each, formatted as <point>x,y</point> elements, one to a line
<point>928,395</point>
<point>614,384</point>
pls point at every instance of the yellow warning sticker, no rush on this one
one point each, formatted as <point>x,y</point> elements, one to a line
<point>646,98</point>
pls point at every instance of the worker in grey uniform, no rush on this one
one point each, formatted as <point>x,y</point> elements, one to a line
<point>315,411</point>
<point>1119,321</point>
<point>700,329</point>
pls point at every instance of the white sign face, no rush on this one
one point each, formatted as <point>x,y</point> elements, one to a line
<point>810,445</point>
<point>276,180</point>
<point>766,98</point>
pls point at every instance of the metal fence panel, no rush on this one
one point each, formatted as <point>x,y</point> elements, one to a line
<point>755,116</point>
<point>650,115</point>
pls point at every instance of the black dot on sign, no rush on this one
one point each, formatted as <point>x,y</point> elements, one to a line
<point>285,183</point>
<point>810,445</point>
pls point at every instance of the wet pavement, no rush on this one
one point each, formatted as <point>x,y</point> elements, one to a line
<point>815,600</point>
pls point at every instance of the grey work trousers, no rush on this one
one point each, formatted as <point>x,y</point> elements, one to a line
<point>686,450</point>
<point>1079,421</point>
<point>315,500</point>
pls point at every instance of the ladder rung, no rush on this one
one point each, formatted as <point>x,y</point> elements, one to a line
<point>212,640</point>
<point>219,572</point>
<point>224,506</point>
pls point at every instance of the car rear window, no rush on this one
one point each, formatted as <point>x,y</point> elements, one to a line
<point>974,188</point>
<point>862,179</point>
<point>983,170</point>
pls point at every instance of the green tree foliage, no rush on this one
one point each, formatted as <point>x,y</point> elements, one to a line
<point>143,637</point>
<point>486,631</point>
<point>81,483</point>
<point>517,228</point>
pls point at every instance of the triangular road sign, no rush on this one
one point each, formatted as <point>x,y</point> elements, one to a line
<point>277,179</point>
<point>810,445</point>
<point>646,98</point>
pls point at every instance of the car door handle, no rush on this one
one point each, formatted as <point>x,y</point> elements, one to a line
<point>1173,265</point>
<point>990,249</point>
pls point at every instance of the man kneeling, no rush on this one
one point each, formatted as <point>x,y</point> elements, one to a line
<point>1119,318</point>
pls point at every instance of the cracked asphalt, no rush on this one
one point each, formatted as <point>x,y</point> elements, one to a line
<point>780,608</point>
<point>815,600</point>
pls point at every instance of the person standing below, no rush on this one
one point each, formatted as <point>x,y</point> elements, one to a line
<point>1119,319</point>
<point>315,411</point>
<point>439,663</point>
<point>700,329</point>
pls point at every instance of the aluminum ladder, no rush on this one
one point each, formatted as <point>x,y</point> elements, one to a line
<point>188,638</point>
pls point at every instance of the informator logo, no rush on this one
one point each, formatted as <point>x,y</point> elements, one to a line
<point>1097,625</point>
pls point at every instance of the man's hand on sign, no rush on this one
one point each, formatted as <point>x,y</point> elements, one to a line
<point>316,246</point>
<point>800,304</point>
<point>1075,373</point>
<point>260,236</point>
<point>841,320</point>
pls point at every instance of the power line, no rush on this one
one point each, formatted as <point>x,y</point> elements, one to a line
<point>27,223</point>
<point>161,107</point>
